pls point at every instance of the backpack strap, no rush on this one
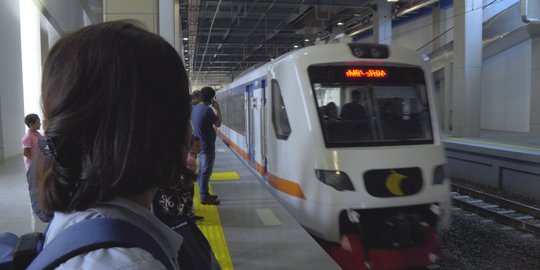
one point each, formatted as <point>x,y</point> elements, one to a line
<point>94,234</point>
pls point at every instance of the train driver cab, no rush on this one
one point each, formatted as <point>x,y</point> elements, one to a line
<point>371,105</point>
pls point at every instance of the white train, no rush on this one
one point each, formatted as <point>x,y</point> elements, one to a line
<point>346,138</point>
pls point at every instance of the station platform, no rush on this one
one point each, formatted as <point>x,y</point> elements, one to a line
<point>519,140</point>
<point>248,230</point>
<point>504,161</point>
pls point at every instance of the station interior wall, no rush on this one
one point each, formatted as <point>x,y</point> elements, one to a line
<point>506,75</point>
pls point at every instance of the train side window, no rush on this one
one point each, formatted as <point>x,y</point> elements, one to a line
<point>279,113</point>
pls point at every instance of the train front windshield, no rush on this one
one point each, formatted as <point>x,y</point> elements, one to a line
<point>369,106</point>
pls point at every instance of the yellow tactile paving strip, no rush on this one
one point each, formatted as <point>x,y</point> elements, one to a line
<point>211,228</point>
<point>219,176</point>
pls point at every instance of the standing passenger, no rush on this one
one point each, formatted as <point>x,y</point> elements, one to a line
<point>107,89</point>
<point>203,120</point>
<point>30,139</point>
<point>30,144</point>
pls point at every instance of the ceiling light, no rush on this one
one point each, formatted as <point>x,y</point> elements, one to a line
<point>392,1</point>
<point>340,23</point>
<point>185,50</point>
<point>185,38</point>
<point>295,46</point>
<point>306,40</point>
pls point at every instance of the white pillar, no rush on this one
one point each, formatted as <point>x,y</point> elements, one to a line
<point>436,11</point>
<point>467,68</point>
<point>382,23</point>
<point>166,20</point>
<point>535,87</point>
<point>11,89</point>
<point>145,11</point>
<point>447,106</point>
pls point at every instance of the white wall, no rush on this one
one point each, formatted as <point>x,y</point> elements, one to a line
<point>506,89</point>
<point>414,34</point>
<point>11,85</point>
<point>68,15</point>
<point>144,11</point>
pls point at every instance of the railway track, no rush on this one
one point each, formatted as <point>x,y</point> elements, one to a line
<point>523,217</point>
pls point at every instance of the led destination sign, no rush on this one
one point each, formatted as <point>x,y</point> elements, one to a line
<point>365,73</point>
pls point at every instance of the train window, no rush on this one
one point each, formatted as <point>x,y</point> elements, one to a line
<point>233,110</point>
<point>368,106</point>
<point>279,113</point>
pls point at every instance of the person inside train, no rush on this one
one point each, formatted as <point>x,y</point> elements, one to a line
<point>389,112</point>
<point>331,112</point>
<point>353,110</point>
<point>107,90</point>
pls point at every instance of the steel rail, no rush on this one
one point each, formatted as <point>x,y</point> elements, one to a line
<point>530,210</point>
<point>518,223</point>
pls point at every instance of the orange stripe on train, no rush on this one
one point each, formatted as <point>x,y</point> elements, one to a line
<point>278,183</point>
<point>286,186</point>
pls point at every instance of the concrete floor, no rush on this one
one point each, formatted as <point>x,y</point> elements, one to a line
<point>17,216</point>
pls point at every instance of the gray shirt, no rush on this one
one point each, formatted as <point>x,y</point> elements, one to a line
<point>119,258</point>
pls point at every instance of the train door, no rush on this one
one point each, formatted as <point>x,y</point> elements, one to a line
<point>262,130</point>
<point>256,125</point>
<point>251,124</point>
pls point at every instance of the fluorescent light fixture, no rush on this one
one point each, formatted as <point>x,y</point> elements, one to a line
<point>392,1</point>
<point>185,38</point>
<point>295,46</point>
<point>340,23</point>
<point>306,40</point>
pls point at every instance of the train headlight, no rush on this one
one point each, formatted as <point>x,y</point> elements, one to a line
<point>439,175</point>
<point>378,51</point>
<point>336,179</point>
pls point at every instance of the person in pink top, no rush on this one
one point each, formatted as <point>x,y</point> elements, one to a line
<point>30,139</point>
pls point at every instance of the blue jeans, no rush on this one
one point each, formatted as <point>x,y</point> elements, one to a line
<point>206,165</point>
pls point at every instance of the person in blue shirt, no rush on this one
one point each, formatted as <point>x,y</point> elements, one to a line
<point>203,119</point>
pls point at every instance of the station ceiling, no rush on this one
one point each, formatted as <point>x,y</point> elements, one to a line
<point>223,38</point>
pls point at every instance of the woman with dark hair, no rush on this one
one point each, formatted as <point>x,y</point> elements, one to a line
<point>117,103</point>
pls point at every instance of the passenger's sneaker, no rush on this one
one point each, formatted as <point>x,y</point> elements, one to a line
<point>196,218</point>
<point>210,200</point>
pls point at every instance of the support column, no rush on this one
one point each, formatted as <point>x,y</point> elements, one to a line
<point>169,22</point>
<point>436,11</point>
<point>145,11</point>
<point>447,106</point>
<point>11,89</point>
<point>467,68</point>
<point>382,23</point>
<point>535,87</point>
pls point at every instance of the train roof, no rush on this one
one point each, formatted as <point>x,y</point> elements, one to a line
<point>332,53</point>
